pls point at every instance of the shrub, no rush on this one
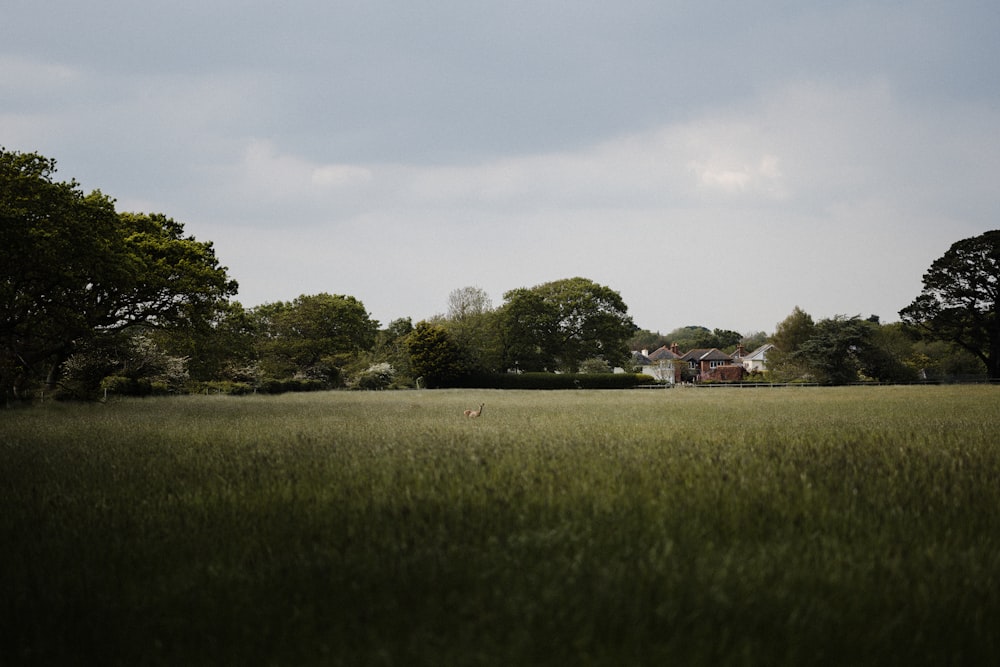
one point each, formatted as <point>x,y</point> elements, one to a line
<point>272,386</point>
<point>377,376</point>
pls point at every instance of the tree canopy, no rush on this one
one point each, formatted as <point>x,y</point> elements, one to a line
<point>562,323</point>
<point>74,268</point>
<point>313,335</point>
<point>959,301</point>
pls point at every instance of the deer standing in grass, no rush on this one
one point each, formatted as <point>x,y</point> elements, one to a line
<point>472,414</point>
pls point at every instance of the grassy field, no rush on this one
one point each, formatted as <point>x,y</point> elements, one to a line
<point>796,526</point>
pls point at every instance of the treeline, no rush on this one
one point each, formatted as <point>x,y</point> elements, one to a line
<point>327,341</point>
<point>95,301</point>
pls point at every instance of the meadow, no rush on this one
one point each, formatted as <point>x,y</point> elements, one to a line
<point>793,526</point>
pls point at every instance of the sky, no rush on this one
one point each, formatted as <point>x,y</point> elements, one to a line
<point>716,163</point>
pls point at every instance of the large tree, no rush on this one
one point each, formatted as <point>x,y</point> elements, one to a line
<point>471,323</point>
<point>434,356</point>
<point>313,336</point>
<point>73,268</point>
<point>562,323</point>
<point>960,302</point>
<point>789,335</point>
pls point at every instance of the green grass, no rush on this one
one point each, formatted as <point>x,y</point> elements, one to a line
<point>746,527</point>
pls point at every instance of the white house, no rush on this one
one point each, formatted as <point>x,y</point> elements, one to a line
<point>756,361</point>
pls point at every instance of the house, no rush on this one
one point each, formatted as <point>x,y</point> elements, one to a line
<point>702,363</point>
<point>665,364</point>
<point>756,361</point>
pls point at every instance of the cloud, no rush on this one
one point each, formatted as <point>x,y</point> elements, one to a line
<point>805,195</point>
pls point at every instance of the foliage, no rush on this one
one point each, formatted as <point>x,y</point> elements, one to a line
<point>390,347</point>
<point>282,386</point>
<point>790,334</point>
<point>471,323</point>
<point>313,336</point>
<point>559,324</point>
<point>527,331</point>
<point>833,353</point>
<point>698,337</point>
<point>754,340</point>
<point>377,376</point>
<point>550,381</point>
<point>434,356</point>
<point>595,365</point>
<point>940,360</point>
<point>220,347</point>
<point>643,339</point>
<point>960,301</point>
<point>126,363</point>
<point>73,268</point>
<point>677,527</point>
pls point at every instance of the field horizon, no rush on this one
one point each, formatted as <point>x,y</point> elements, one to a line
<point>821,526</point>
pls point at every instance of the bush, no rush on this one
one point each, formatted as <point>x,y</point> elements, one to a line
<point>377,376</point>
<point>119,385</point>
<point>272,386</point>
<point>221,387</point>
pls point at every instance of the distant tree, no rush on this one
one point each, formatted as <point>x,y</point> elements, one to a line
<point>889,350</point>
<point>833,353</point>
<point>313,336</point>
<point>528,338</point>
<point>725,339</point>
<point>220,348</point>
<point>471,322</point>
<point>694,337</point>
<point>73,268</point>
<point>126,363</point>
<point>561,323</point>
<point>691,337</point>
<point>751,341</point>
<point>467,302</point>
<point>390,347</point>
<point>434,356</point>
<point>940,360</point>
<point>643,339</point>
<point>847,349</point>
<point>960,301</point>
<point>789,335</point>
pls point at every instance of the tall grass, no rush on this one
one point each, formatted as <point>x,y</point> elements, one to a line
<point>757,527</point>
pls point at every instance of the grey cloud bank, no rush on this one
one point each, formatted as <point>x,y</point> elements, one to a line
<point>716,164</point>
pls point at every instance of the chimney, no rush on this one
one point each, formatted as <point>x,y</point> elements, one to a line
<point>675,349</point>
<point>740,352</point>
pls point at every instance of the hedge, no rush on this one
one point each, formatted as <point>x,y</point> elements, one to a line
<point>553,381</point>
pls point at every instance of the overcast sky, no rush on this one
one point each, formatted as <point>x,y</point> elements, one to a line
<point>716,163</point>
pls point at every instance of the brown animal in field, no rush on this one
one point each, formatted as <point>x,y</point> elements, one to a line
<point>472,414</point>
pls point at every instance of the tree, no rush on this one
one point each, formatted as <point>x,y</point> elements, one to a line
<point>644,339</point>
<point>313,336</point>
<point>789,335</point>
<point>220,348</point>
<point>562,323</point>
<point>471,322</point>
<point>960,301</point>
<point>434,356</point>
<point>833,352</point>
<point>691,337</point>
<point>126,363</point>
<point>390,347</point>
<point>752,340</point>
<point>73,268</point>
<point>527,331</point>
<point>888,354</point>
